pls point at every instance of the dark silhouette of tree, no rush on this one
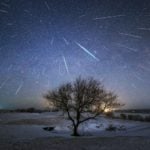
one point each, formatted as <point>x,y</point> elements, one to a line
<point>82,100</point>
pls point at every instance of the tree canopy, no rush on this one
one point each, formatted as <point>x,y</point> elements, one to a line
<point>82,100</point>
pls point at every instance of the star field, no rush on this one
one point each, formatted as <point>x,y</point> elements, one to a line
<point>46,43</point>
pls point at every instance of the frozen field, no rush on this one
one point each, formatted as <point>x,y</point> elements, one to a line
<point>21,127</point>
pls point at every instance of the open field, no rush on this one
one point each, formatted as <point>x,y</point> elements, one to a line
<point>25,131</point>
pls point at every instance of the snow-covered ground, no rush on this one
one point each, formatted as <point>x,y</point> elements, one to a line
<point>15,126</point>
<point>24,131</point>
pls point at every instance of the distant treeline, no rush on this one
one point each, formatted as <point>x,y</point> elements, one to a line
<point>135,117</point>
<point>143,111</point>
<point>28,110</point>
<point>129,116</point>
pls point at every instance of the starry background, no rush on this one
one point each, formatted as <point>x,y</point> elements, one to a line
<point>46,43</point>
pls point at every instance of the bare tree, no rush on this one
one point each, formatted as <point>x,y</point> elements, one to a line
<point>82,100</point>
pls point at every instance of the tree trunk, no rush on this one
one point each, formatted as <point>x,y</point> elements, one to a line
<point>75,130</point>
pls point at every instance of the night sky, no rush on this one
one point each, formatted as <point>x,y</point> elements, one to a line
<point>46,43</point>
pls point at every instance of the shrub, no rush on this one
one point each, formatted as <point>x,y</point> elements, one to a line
<point>130,117</point>
<point>109,114</point>
<point>147,118</point>
<point>122,128</point>
<point>123,116</point>
<point>111,127</point>
<point>138,118</point>
<point>30,110</point>
<point>49,128</point>
<point>135,117</point>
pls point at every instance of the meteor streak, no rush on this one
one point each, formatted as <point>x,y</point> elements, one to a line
<point>87,51</point>
<point>46,4</point>
<point>67,43</point>
<point>129,48</point>
<point>19,88</point>
<point>3,83</point>
<point>145,29</point>
<point>66,65</point>
<point>4,4</point>
<point>108,17</point>
<point>138,77</point>
<point>131,35</point>
<point>81,16</point>
<point>3,11</point>
<point>52,40</point>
